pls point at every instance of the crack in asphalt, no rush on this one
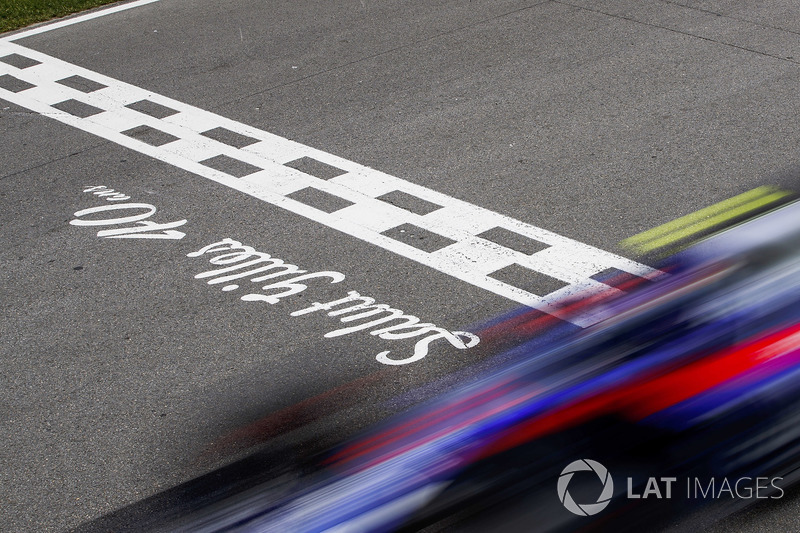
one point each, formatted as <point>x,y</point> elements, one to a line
<point>384,52</point>
<point>50,161</point>
<point>686,33</point>
<point>537,4</point>
<point>740,19</point>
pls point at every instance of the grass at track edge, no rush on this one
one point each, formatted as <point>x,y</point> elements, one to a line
<point>16,14</point>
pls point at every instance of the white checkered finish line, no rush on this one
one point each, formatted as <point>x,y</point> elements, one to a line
<point>521,262</point>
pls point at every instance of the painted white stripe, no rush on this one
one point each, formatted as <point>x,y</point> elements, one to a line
<point>75,20</point>
<point>470,258</point>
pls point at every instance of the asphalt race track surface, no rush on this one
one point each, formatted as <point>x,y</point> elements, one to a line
<point>434,143</point>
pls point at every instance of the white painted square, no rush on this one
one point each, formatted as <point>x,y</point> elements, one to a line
<point>372,184</point>
<point>193,149</point>
<point>195,120</point>
<point>565,262</point>
<point>47,94</point>
<point>280,180</point>
<point>118,122</point>
<point>469,219</point>
<point>371,214</point>
<point>475,256</point>
<point>272,151</point>
<point>117,95</point>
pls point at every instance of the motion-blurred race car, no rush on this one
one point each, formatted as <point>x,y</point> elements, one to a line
<point>685,394</point>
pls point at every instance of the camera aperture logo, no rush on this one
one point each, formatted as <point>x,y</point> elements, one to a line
<point>586,509</point>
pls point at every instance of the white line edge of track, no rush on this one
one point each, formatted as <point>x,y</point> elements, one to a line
<point>69,21</point>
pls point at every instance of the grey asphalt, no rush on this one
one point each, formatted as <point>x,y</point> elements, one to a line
<point>595,120</point>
